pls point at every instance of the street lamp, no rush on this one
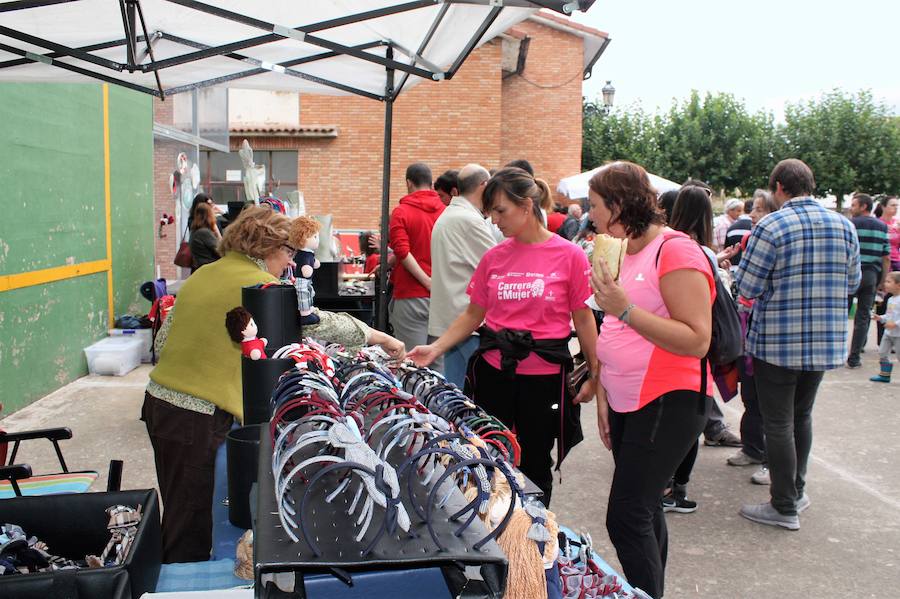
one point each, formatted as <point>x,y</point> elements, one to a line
<point>609,92</point>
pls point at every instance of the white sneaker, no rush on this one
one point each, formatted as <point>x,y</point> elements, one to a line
<point>742,459</point>
<point>803,503</point>
<point>761,477</point>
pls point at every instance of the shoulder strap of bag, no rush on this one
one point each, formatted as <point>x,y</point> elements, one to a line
<point>704,363</point>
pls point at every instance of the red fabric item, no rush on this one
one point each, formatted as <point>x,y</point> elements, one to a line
<point>410,233</point>
<point>161,308</point>
<point>371,262</point>
<point>555,221</point>
<point>249,346</point>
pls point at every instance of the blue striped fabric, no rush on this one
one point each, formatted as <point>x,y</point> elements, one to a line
<point>50,484</point>
<point>199,576</point>
<point>800,265</point>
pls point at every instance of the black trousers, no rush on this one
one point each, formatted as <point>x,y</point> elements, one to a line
<point>647,446</point>
<point>526,405</point>
<point>865,298</point>
<point>184,449</point>
<point>753,436</point>
<point>683,472</point>
<point>786,399</point>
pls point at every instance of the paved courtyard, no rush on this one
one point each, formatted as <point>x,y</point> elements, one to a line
<point>847,546</point>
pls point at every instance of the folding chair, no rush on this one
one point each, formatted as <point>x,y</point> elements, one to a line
<point>17,480</point>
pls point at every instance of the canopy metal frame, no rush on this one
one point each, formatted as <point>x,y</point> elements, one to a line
<point>139,44</point>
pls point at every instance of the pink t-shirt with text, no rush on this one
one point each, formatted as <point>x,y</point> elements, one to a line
<point>634,371</point>
<point>531,287</point>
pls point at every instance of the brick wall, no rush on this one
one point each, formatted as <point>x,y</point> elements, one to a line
<point>542,107</point>
<point>164,154</point>
<point>446,125</point>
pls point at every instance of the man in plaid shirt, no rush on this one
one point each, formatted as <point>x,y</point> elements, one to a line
<point>800,264</point>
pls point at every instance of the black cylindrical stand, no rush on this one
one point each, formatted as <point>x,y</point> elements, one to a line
<point>274,309</point>
<point>242,450</point>
<point>258,379</point>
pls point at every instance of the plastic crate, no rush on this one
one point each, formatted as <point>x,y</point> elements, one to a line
<point>116,356</point>
<point>146,337</point>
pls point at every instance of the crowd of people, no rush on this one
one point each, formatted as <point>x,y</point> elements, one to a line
<point>489,288</point>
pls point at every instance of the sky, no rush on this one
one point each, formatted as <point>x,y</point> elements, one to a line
<point>766,52</point>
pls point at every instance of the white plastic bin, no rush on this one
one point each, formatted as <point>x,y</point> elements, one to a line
<point>146,337</point>
<point>116,356</point>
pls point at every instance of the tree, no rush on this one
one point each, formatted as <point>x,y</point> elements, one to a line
<point>716,140</point>
<point>624,135</point>
<point>713,139</point>
<point>850,141</point>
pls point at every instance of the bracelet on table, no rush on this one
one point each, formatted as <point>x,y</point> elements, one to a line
<point>626,314</point>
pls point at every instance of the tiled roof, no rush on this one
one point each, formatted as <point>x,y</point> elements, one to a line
<point>283,131</point>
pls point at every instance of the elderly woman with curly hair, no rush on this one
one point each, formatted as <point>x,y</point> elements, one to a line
<point>657,327</point>
<point>194,393</point>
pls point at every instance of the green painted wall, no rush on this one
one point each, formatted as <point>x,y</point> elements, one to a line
<point>52,174</point>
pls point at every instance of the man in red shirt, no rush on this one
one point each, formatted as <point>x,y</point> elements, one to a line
<point>410,238</point>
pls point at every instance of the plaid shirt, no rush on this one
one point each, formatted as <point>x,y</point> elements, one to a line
<point>801,263</point>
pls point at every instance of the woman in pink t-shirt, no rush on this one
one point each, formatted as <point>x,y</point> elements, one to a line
<point>526,291</point>
<point>657,326</point>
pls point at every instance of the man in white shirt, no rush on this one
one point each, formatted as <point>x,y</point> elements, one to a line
<point>733,210</point>
<point>459,239</point>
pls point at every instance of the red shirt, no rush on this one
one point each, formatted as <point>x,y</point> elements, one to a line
<point>410,233</point>
<point>372,261</point>
<point>249,346</point>
<point>555,221</point>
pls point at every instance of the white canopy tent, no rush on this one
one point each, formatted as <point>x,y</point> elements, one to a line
<point>339,47</point>
<point>576,186</point>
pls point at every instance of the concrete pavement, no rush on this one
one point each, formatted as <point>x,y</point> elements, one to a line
<point>847,546</point>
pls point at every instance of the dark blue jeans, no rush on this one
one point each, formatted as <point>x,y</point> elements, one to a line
<point>786,400</point>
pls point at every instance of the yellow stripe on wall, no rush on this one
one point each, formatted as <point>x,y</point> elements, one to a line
<point>108,203</point>
<point>51,275</point>
<point>61,273</point>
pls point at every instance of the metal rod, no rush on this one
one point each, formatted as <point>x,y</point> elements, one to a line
<point>25,4</point>
<point>129,29</point>
<point>473,41</point>
<point>30,39</point>
<point>140,11</point>
<point>287,63</point>
<point>102,46</point>
<point>381,303</point>
<point>554,5</point>
<point>306,30</point>
<point>80,71</point>
<point>321,26</point>
<point>431,31</point>
<point>260,71</point>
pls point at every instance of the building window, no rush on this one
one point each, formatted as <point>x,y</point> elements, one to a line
<point>221,173</point>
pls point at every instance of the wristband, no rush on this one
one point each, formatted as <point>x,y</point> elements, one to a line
<point>626,315</point>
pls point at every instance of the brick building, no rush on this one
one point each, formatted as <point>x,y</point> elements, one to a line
<point>517,96</point>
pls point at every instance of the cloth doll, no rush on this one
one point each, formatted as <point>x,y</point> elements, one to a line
<point>304,236</point>
<point>242,329</point>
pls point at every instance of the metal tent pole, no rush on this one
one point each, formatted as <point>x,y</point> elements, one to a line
<point>381,300</point>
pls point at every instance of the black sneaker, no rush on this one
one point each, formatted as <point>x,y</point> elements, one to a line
<point>676,501</point>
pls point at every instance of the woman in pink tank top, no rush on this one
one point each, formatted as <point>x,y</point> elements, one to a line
<point>657,326</point>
